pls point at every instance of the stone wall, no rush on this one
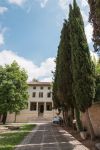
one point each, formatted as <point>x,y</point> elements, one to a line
<point>29,116</point>
<point>94,112</point>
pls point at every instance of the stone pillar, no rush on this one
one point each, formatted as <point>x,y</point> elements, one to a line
<point>44,109</point>
<point>44,106</point>
<point>37,109</point>
<point>29,105</point>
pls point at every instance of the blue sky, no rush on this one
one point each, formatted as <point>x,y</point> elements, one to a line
<point>30,32</point>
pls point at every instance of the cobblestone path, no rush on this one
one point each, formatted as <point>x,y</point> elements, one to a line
<point>49,137</point>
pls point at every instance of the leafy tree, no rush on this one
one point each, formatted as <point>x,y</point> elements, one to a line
<point>13,89</point>
<point>95,20</point>
<point>97,95</point>
<point>98,67</point>
<point>35,80</point>
<point>83,68</point>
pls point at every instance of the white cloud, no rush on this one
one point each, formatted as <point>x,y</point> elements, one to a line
<point>42,72</point>
<point>85,16</point>
<point>46,79</point>
<point>43,3</point>
<point>1,39</point>
<point>17,2</point>
<point>2,31</point>
<point>3,10</point>
<point>84,3</point>
<point>89,32</point>
<point>63,3</point>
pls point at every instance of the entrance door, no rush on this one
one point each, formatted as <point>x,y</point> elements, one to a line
<point>40,109</point>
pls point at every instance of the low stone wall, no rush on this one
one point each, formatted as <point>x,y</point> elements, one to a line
<point>94,113</point>
<point>21,118</point>
<point>29,116</point>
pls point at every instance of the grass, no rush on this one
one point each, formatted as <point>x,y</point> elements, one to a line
<point>8,141</point>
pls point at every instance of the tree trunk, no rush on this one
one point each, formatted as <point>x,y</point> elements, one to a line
<point>0,117</point>
<point>71,117</point>
<point>72,113</point>
<point>78,121</point>
<point>15,117</point>
<point>4,117</point>
<point>90,125</point>
<point>64,118</point>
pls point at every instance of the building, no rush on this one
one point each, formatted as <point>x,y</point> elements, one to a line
<point>40,104</point>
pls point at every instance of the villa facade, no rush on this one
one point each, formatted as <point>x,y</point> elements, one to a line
<point>40,104</point>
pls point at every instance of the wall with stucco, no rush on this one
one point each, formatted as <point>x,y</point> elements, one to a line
<point>94,113</point>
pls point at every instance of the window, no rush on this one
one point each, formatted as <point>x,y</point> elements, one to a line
<point>41,87</point>
<point>49,94</point>
<point>34,87</point>
<point>49,87</point>
<point>49,106</point>
<point>32,106</point>
<point>40,94</point>
<point>34,94</point>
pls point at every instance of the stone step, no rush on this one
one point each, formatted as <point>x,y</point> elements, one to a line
<point>39,119</point>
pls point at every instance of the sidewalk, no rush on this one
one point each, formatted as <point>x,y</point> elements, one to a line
<point>49,137</point>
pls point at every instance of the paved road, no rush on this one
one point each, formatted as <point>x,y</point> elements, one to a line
<point>49,137</point>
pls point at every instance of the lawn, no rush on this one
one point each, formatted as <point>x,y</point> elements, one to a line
<point>8,141</point>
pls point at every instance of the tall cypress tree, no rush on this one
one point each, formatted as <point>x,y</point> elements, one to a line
<point>55,89</point>
<point>63,75</point>
<point>83,69</point>
<point>73,42</point>
<point>64,70</point>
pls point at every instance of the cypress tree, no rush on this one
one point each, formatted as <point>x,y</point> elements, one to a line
<point>63,75</point>
<point>83,69</point>
<point>54,93</point>
<point>73,42</point>
<point>64,69</point>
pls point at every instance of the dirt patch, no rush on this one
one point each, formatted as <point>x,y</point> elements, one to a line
<point>3,129</point>
<point>87,142</point>
<point>8,128</point>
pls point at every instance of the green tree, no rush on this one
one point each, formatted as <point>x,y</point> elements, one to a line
<point>97,66</point>
<point>55,96</point>
<point>74,42</point>
<point>13,89</point>
<point>83,68</point>
<point>94,18</point>
<point>63,75</point>
<point>97,95</point>
<point>54,93</point>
